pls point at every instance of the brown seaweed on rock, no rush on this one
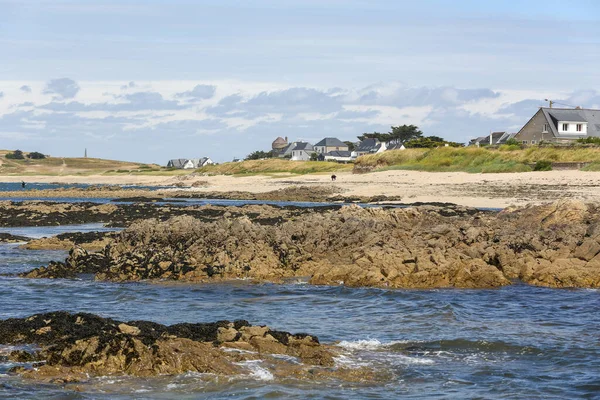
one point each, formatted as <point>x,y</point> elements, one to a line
<point>75,345</point>
<point>554,245</point>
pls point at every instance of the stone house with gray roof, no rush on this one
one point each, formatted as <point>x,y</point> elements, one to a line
<point>560,125</point>
<point>330,144</point>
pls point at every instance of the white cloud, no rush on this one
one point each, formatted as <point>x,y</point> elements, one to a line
<point>123,119</point>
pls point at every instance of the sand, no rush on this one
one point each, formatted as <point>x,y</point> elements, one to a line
<point>477,190</point>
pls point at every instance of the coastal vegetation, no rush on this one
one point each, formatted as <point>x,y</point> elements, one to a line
<point>506,158</point>
<point>273,165</point>
<point>19,163</point>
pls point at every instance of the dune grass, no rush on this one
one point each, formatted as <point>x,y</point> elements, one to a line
<point>476,160</point>
<point>275,165</point>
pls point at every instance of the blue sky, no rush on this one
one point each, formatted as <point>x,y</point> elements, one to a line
<point>153,80</point>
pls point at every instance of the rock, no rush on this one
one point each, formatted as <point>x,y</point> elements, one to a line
<point>76,346</point>
<point>419,247</point>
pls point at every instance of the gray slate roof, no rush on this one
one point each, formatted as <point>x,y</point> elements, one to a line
<point>304,146</point>
<point>592,117</point>
<point>368,145</point>
<point>339,153</point>
<point>177,163</point>
<point>331,142</point>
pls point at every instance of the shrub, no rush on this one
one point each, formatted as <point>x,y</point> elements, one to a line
<point>543,165</point>
<point>512,142</point>
<point>589,140</point>
<point>16,155</point>
<point>34,155</point>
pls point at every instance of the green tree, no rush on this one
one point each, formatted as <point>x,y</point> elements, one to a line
<point>350,145</point>
<point>259,154</point>
<point>314,157</point>
<point>16,155</point>
<point>398,134</point>
<point>34,155</point>
<point>429,142</point>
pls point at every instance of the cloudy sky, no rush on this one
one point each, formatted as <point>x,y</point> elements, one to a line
<point>153,80</point>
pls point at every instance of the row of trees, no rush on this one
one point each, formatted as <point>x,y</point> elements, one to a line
<point>19,155</point>
<point>409,136</point>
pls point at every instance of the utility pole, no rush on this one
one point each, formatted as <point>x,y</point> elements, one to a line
<point>85,153</point>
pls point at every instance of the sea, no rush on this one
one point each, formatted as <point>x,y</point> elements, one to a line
<point>515,342</point>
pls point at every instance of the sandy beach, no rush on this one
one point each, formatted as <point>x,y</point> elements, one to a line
<point>477,190</point>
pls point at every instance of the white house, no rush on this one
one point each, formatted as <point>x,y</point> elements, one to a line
<point>339,156</point>
<point>302,151</point>
<point>191,163</point>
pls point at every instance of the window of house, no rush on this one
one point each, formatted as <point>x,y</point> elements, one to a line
<point>524,141</point>
<point>545,129</point>
<point>533,142</point>
<point>565,127</point>
<point>579,127</point>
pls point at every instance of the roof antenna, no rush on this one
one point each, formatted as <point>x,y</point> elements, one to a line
<point>562,104</point>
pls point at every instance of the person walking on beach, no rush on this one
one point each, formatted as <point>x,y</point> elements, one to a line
<point>23,184</point>
<point>333,178</point>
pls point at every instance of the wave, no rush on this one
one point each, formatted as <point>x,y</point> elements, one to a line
<point>464,345</point>
<point>367,344</point>
<point>256,371</point>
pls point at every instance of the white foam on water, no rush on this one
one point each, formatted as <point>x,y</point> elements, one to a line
<point>256,371</point>
<point>364,344</point>
<point>241,351</point>
<point>347,362</point>
<point>367,344</point>
<point>285,357</point>
<point>407,360</point>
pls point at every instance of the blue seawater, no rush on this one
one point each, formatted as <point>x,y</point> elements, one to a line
<point>517,342</point>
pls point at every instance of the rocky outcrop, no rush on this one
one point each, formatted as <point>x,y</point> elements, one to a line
<point>555,245</point>
<point>73,347</point>
<point>45,213</point>
<point>9,238</point>
<point>91,241</point>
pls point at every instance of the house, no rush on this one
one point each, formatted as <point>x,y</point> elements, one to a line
<point>560,125</point>
<point>369,146</point>
<point>395,146</point>
<point>204,161</point>
<point>181,163</point>
<point>491,139</point>
<point>302,151</point>
<point>330,144</point>
<point>189,163</point>
<point>336,155</point>
<point>278,144</point>
<point>286,152</point>
<point>507,136</point>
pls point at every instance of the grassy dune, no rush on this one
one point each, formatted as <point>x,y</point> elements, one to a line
<point>55,166</point>
<point>274,166</point>
<point>475,160</point>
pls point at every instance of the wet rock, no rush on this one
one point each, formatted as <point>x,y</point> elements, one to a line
<point>74,346</point>
<point>8,238</point>
<point>66,241</point>
<point>418,247</point>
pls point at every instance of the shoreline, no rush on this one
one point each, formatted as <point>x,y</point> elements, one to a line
<point>473,190</point>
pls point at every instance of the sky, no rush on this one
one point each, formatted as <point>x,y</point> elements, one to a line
<point>153,80</point>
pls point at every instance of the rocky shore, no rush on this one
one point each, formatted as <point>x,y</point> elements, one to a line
<point>47,213</point>
<point>75,347</point>
<point>555,245</point>
<point>293,192</point>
